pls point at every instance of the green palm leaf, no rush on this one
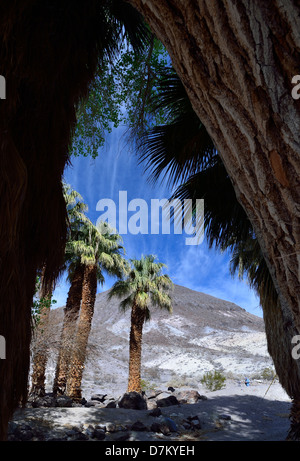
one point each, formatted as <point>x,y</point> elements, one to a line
<point>183,152</point>
<point>144,285</point>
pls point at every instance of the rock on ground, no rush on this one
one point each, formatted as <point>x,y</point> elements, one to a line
<point>234,413</point>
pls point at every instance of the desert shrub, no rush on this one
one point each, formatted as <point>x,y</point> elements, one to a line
<point>180,381</point>
<point>268,374</point>
<point>146,385</point>
<point>213,381</point>
<point>152,373</point>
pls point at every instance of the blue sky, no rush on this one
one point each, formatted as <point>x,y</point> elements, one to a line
<point>193,266</point>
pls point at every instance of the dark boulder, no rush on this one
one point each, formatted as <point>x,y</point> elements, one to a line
<point>133,401</point>
<point>155,412</point>
<point>160,427</point>
<point>111,404</point>
<point>139,426</point>
<point>167,401</point>
<point>63,401</point>
<point>99,397</point>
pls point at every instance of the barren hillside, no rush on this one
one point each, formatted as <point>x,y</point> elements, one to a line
<point>203,333</point>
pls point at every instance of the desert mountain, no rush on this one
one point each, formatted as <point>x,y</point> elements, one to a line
<point>203,333</point>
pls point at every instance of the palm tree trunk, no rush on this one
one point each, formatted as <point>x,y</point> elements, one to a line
<point>240,87</point>
<point>71,313</point>
<point>89,289</point>
<point>294,431</point>
<point>34,150</point>
<point>135,349</point>
<point>279,333</point>
<point>41,348</point>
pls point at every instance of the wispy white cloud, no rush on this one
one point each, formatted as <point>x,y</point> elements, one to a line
<point>195,267</point>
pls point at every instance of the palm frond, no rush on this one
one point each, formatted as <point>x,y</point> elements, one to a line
<point>247,259</point>
<point>183,152</point>
<point>162,300</point>
<point>126,303</point>
<point>177,150</point>
<point>120,289</point>
<point>145,285</point>
<point>181,147</point>
<point>225,220</point>
<point>127,19</point>
<point>89,244</point>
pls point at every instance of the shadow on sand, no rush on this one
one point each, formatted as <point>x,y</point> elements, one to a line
<point>223,418</point>
<point>252,418</point>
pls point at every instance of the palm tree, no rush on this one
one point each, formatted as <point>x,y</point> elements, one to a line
<point>144,286</point>
<point>68,39</point>
<point>71,313</point>
<point>76,209</point>
<point>75,217</point>
<point>100,250</point>
<point>40,348</point>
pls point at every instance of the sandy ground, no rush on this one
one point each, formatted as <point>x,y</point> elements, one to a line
<point>257,412</point>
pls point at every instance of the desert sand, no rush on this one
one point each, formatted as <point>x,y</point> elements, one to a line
<point>259,412</point>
